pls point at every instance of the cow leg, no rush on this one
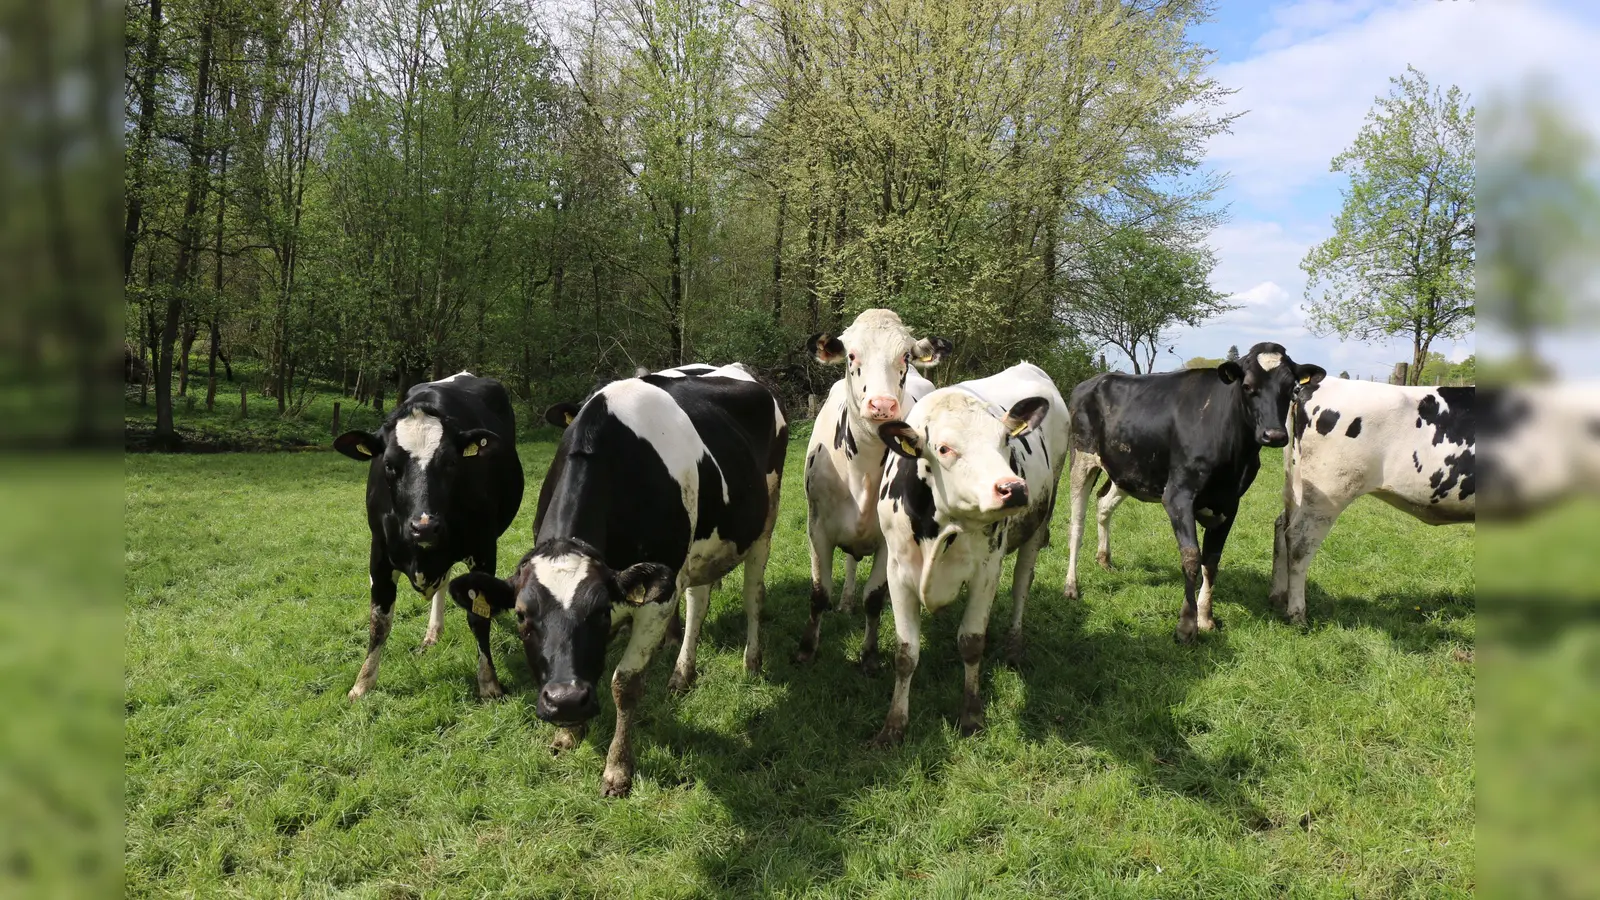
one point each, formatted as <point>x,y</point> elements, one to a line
<point>970,641</point>
<point>1303,536</point>
<point>755,598</point>
<point>627,687</point>
<point>695,602</point>
<point>1021,584</point>
<point>1179,503</point>
<point>877,590</point>
<point>489,687</point>
<point>1085,470</point>
<point>1210,558</point>
<point>908,627</point>
<point>436,615</point>
<point>1111,497</point>
<point>1280,562</point>
<point>382,579</point>
<point>847,592</point>
<point>821,582</point>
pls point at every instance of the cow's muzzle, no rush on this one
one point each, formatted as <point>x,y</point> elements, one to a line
<point>567,702</point>
<point>1272,437</point>
<point>1012,493</point>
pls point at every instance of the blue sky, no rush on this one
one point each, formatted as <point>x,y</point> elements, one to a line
<point>1306,72</point>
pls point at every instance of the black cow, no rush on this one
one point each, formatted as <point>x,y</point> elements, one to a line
<point>1190,439</point>
<point>444,483</point>
<point>660,484</point>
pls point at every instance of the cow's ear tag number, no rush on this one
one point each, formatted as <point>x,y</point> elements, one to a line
<point>480,605</point>
<point>472,448</point>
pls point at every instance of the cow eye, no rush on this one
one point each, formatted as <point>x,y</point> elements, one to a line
<point>944,450</point>
<point>391,470</point>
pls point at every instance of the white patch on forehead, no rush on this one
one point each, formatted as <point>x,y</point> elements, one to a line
<point>562,575</point>
<point>1269,361</point>
<point>419,435</point>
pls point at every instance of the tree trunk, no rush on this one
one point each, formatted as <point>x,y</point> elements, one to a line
<point>777,258</point>
<point>141,140</point>
<point>188,235</point>
<point>211,366</point>
<point>191,332</point>
<point>675,292</point>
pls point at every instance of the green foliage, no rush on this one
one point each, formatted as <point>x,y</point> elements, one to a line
<point>1266,761</point>
<point>1400,261</point>
<point>1203,362</point>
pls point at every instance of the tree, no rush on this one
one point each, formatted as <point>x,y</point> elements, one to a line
<point>1233,353</point>
<point>1132,289</point>
<point>1400,260</point>
<point>1203,362</point>
<point>1542,234</point>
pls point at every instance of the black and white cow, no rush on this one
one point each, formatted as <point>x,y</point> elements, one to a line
<point>844,462</point>
<point>443,483</point>
<point>972,478</point>
<point>1191,440</point>
<point>1541,445</point>
<point>661,484</point>
<point>1411,447</point>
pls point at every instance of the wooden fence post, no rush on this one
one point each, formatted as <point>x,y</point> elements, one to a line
<point>335,418</point>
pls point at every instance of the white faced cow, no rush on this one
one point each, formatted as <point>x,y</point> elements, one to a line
<point>661,484</point>
<point>844,463</point>
<point>973,478</point>
<point>1411,447</point>
<point>443,483</point>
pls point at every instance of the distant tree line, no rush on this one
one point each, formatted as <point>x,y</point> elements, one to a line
<point>378,192</point>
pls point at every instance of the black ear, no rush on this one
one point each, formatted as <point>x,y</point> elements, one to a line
<point>562,414</point>
<point>477,440</point>
<point>1309,375</point>
<point>359,445</point>
<point>646,582</point>
<point>1026,415</point>
<point>901,438</point>
<point>826,348</point>
<point>482,594</point>
<point>930,350</point>
<point>1230,372</point>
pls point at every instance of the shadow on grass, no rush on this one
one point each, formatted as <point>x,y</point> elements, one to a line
<point>1417,622</point>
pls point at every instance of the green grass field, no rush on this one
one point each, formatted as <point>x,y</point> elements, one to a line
<point>1268,761</point>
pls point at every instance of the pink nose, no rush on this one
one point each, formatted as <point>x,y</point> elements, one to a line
<point>1011,492</point>
<point>884,408</point>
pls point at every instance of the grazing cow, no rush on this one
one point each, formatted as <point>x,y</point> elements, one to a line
<point>972,479</point>
<point>1190,439</point>
<point>844,463</point>
<point>1411,447</point>
<point>1541,445</point>
<point>661,484</point>
<point>443,483</point>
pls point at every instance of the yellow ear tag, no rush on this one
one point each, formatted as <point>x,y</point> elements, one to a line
<point>364,449</point>
<point>480,605</point>
<point>569,417</point>
<point>925,359</point>
<point>1306,380</point>
<point>905,446</point>
<point>471,450</point>
<point>1019,429</point>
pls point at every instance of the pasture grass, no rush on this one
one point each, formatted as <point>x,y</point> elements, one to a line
<point>1268,761</point>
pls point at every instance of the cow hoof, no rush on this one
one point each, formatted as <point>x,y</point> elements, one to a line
<point>1186,635</point>
<point>1280,602</point>
<point>1213,624</point>
<point>970,724</point>
<point>803,655</point>
<point>752,663</point>
<point>680,682</point>
<point>888,738</point>
<point>490,692</point>
<point>356,693</point>
<point>426,643</point>
<point>1104,559</point>
<point>1070,591</point>
<point>1296,618</point>
<point>1014,650</point>
<point>870,664</point>
<point>847,605</point>
<point>617,784</point>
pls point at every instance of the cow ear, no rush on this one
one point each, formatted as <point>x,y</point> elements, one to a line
<point>1308,375</point>
<point>1026,415</point>
<point>482,594</point>
<point>930,350</point>
<point>359,445</point>
<point>477,440</point>
<point>1230,372</point>
<point>646,582</point>
<point>826,348</point>
<point>561,414</point>
<point>901,438</point>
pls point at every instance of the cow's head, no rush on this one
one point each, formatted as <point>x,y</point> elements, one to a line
<point>563,593</point>
<point>1266,379</point>
<point>967,448</point>
<point>878,351</point>
<point>418,459</point>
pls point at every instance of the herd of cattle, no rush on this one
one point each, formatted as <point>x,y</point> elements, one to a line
<point>664,483</point>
